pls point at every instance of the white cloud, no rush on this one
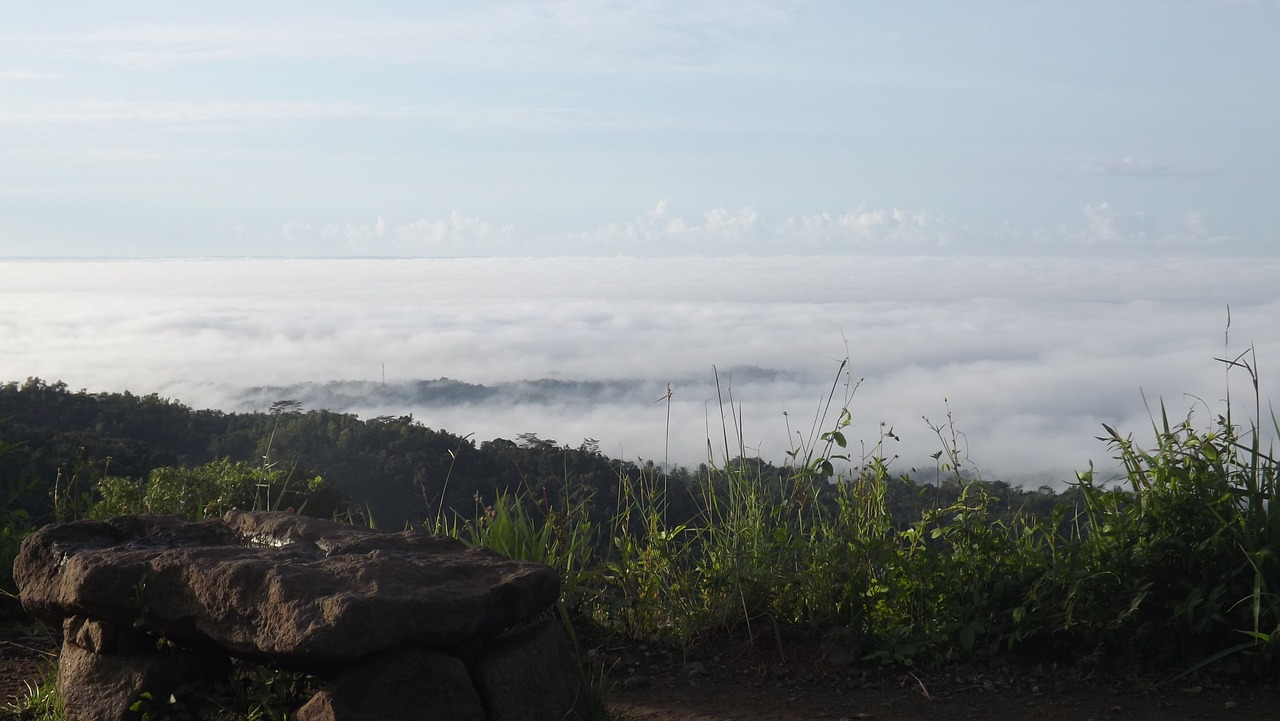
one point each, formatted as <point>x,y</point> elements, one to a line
<point>1101,223</point>
<point>662,230</point>
<point>458,231</point>
<point>732,225</point>
<point>866,230</point>
<point>745,230</point>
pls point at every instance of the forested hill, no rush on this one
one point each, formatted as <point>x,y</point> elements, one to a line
<point>391,470</point>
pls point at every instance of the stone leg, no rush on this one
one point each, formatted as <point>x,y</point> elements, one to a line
<point>532,674</point>
<point>408,685</point>
<point>103,669</point>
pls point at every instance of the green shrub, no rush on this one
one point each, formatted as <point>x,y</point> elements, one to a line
<point>213,489</point>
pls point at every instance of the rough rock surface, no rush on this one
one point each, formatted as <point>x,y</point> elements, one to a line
<point>402,625</point>
<point>277,585</point>
<point>409,685</point>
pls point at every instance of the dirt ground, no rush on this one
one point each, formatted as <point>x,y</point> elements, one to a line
<point>735,685</point>
<point>729,683</point>
<point>926,698</point>
<point>24,659</point>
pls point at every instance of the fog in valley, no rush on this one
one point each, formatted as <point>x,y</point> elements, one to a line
<point>1029,357</point>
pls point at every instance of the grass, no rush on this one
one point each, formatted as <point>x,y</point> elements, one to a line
<point>42,702</point>
<point>1169,572</point>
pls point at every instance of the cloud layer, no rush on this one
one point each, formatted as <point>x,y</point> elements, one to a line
<point>1029,356</point>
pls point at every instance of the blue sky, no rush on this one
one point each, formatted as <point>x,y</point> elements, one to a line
<point>639,128</point>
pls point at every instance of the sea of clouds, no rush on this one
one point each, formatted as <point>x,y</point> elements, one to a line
<point>1028,356</point>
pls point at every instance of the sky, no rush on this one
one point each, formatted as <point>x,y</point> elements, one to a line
<point>650,128</point>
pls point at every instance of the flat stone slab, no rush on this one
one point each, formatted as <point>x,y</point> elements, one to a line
<point>277,585</point>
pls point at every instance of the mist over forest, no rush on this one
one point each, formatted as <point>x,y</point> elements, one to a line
<point>654,357</point>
